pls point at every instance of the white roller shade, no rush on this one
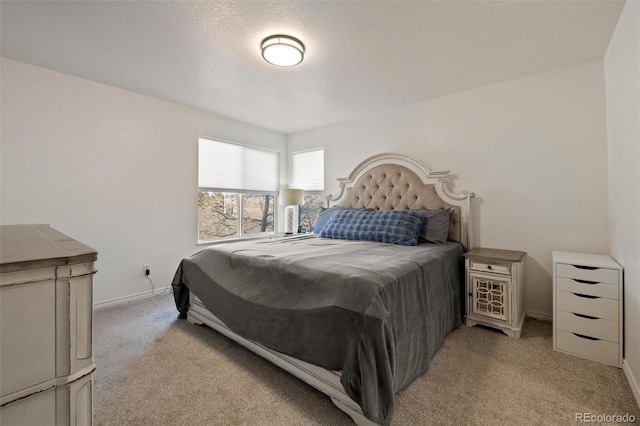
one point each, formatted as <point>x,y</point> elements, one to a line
<point>227,166</point>
<point>308,170</point>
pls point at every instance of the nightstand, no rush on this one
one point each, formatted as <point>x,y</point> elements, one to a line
<point>587,306</point>
<point>495,291</point>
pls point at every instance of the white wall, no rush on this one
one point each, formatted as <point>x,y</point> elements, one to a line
<point>111,168</point>
<point>622,75</point>
<point>534,151</point>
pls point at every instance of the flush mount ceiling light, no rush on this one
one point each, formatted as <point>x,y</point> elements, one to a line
<point>282,50</point>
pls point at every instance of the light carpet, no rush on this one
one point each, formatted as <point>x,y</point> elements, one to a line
<point>153,369</point>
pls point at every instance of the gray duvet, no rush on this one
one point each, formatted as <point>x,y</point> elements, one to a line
<point>378,312</point>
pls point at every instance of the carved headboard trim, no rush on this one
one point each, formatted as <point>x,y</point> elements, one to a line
<point>396,181</point>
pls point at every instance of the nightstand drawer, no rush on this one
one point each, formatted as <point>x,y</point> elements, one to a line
<point>599,350</point>
<point>598,307</point>
<point>601,275</point>
<point>591,288</point>
<point>586,325</point>
<point>493,267</point>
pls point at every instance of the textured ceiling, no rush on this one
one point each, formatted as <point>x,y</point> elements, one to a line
<point>362,57</point>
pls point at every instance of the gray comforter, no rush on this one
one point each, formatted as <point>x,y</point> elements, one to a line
<point>378,312</point>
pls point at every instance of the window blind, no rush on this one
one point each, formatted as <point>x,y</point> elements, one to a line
<point>231,167</point>
<point>308,170</point>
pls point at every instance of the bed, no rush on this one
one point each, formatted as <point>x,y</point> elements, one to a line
<point>358,320</point>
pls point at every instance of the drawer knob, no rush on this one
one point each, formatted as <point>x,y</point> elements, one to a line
<point>489,267</point>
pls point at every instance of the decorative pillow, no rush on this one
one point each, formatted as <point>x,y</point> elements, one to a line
<point>325,214</point>
<point>322,218</point>
<point>389,226</point>
<point>436,226</point>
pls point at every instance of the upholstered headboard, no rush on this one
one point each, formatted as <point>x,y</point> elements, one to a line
<point>398,182</point>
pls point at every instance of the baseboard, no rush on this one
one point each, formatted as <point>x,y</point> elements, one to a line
<point>540,316</point>
<point>131,298</point>
<point>633,383</point>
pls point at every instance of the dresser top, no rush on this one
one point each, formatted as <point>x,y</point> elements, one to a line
<point>488,253</point>
<point>584,259</point>
<point>25,247</point>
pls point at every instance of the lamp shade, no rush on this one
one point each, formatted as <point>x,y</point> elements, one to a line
<point>291,197</point>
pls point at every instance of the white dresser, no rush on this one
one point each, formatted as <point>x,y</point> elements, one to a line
<point>587,306</point>
<point>46,308</point>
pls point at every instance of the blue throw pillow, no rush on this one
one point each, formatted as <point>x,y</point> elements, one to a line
<point>390,226</point>
<point>325,214</point>
<point>322,218</point>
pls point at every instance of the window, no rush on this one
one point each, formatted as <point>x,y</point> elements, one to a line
<point>308,174</point>
<point>237,186</point>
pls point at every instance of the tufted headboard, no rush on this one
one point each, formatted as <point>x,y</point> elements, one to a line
<point>398,182</point>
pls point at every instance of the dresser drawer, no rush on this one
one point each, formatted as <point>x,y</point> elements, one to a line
<point>37,409</point>
<point>591,288</point>
<point>601,275</point>
<point>598,307</point>
<point>598,350</point>
<point>589,326</point>
<point>67,404</point>
<point>27,336</point>
<point>493,267</point>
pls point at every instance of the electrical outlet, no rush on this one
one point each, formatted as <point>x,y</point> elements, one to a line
<point>146,269</point>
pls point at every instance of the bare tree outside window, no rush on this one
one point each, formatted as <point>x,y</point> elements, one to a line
<point>218,214</point>
<point>257,213</point>
<point>309,210</point>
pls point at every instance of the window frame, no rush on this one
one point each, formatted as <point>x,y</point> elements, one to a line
<point>292,163</point>
<point>319,192</point>
<point>240,234</point>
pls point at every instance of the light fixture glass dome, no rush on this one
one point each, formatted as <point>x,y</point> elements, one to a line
<point>282,50</point>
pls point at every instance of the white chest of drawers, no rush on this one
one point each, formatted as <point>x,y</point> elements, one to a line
<point>46,306</point>
<point>587,306</point>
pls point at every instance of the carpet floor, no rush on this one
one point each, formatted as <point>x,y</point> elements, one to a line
<point>153,369</point>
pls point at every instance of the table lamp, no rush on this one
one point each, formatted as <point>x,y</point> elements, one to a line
<point>291,199</point>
